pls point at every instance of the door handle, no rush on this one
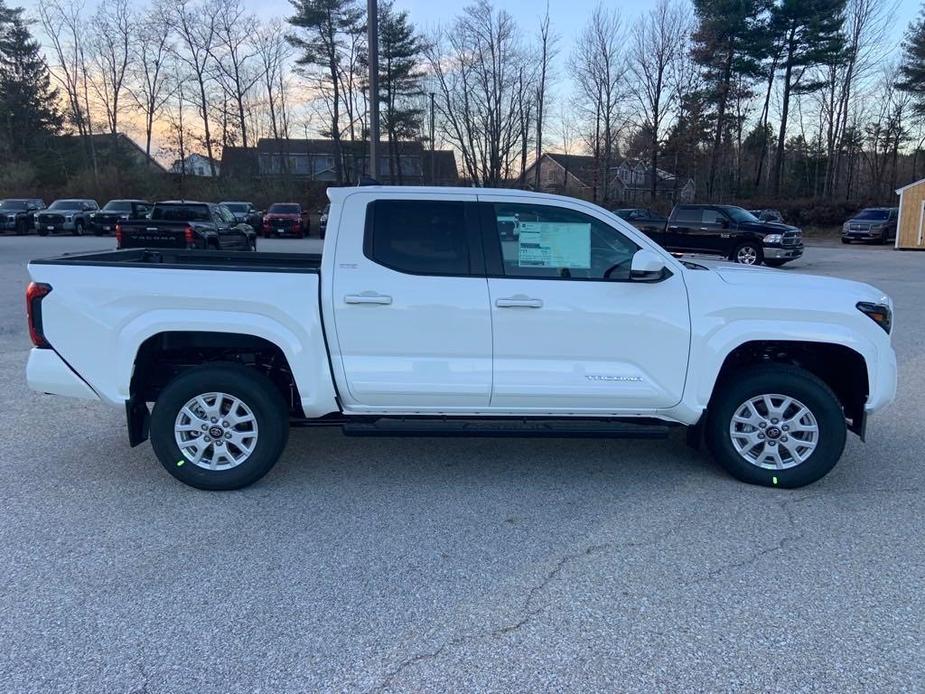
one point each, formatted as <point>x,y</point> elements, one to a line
<point>379,299</point>
<point>518,302</point>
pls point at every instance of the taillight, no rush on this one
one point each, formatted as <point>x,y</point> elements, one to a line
<point>188,235</point>
<point>118,236</point>
<point>35,292</point>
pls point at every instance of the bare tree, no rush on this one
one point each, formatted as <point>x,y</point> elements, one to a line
<point>273,52</point>
<point>477,68</point>
<point>111,53</point>
<point>547,54</point>
<point>655,50</point>
<point>195,27</point>
<point>599,65</point>
<point>152,85</point>
<point>235,56</point>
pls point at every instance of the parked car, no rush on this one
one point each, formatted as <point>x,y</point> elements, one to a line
<point>730,232</point>
<point>427,322</point>
<point>285,219</point>
<point>768,215</point>
<point>877,224</point>
<point>18,214</point>
<point>245,212</point>
<point>186,224</point>
<point>69,215</point>
<point>323,221</point>
<point>115,211</point>
<point>643,218</point>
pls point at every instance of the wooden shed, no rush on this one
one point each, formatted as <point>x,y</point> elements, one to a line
<point>910,228</point>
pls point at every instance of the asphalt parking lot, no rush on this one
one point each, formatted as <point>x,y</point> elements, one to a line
<point>457,564</point>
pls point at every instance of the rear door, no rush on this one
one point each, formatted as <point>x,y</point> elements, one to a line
<point>410,305</point>
<point>571,331</point>
<point>681,228</point>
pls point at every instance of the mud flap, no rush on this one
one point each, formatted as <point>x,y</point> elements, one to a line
<point>138,419</point>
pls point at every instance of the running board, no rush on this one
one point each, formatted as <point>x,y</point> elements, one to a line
<point>508,427</point>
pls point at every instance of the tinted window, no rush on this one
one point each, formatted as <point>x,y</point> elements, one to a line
<point>740,215</point>
<point>714,217</point>
<point>118,206</point>
<point>873,215</point>
<point>181,213</point>
<point>284,209</point>
<point>554,242</point>
<point>237,206</point>
<point>687,214</point>
<point>66,205</point>
<point>12,204</point>
<point>226,215</point>
<point>419,237</point>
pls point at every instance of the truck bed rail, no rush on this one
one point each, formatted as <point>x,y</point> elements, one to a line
<point>236,261</point>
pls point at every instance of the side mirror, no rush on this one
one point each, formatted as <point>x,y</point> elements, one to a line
<point>647,266</point>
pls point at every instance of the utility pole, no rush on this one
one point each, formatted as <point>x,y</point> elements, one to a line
<point>372,38</point>
<point>433,161</point>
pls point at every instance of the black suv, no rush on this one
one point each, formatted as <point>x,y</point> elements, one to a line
<point>877,224</point>
<point>18,214</point>
<point>730,232</point>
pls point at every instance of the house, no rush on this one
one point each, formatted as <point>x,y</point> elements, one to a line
<point>628,181</point>
<point>194,164</point>
<point>314,160</point>
<point>118,148</point>
<point>910,227</point>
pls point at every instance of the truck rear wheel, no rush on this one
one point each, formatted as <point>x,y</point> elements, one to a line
<point>776,425</point>
<point>219,427</point>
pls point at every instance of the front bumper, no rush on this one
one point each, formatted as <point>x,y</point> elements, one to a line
<point>872,235</point>
<point>54,226</point>
<point>778,252</point>
<point>46,372</point>
<point>8,226</point>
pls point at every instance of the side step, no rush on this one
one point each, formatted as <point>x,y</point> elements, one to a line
<point>509,427</point>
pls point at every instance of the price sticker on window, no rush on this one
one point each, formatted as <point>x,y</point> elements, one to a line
<point>554,245</point>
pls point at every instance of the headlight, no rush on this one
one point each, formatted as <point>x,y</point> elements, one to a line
<point>878,313</point>
<point>773,238</point>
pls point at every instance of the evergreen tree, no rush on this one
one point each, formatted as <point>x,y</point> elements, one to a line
<point>28,103</point>
<point>729,44</point>
<point>400,49</point>
<point>810,32</point>
<point>912,69</point>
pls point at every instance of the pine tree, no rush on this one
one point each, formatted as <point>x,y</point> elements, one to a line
<point>28,103</point>
<point>810,32</point>
<point>912,69</point>
<point>400,49</point>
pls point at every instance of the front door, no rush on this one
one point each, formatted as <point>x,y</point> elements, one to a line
<point>571,331</point>
<point>411,305</point>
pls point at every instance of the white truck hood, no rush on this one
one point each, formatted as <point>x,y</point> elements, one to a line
<point>778,280</point>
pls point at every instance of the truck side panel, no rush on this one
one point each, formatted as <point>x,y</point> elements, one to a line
<point>96,318</point>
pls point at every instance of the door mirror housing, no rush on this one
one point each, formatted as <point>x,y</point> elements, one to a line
<point>647,266</point>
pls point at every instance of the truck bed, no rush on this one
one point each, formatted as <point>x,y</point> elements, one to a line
<point>237,261</point>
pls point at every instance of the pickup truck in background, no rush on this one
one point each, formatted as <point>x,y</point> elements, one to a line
<point>18,214</point>
<point>727,231</point>
<point>285,219</point>
<point>245,212</point>
<point>115,211</point>
<point>426,316</point>
<point>877,224</point>
<point>184,224</point>
<point>71,215</point>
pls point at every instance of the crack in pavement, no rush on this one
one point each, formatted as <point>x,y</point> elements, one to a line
<point>528,613</point>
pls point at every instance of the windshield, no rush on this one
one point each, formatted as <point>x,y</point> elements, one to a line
<point>12,204</point>
<point>873,214</point>
<point>740,215</point>
<point>66,205</point>
<point>118,206</point>
<point>181,213</point>
<point>237,206</point>
<point>283,209</point>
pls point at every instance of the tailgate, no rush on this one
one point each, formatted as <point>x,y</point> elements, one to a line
<point>152,236</point>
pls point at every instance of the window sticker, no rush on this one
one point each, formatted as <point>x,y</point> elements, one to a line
<point>554,245</point>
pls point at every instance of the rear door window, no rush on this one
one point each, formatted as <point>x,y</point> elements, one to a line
<point>688,215</point>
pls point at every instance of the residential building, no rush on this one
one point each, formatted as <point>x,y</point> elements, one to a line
<point>194,164</point>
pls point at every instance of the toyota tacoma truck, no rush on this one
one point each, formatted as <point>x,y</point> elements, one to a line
<point>68,215</point>
<point>729,232</point>
<point>421,317</point>
<point>186,224</point>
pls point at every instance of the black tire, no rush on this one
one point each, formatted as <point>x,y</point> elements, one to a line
<point>22,227</point>
<point>255,390</point>
<point>774,263</point>
<point>78,228</point>
<point>755,248</point>
<point>785,380</point>
<point>43,232</point>
<point>844,240</point>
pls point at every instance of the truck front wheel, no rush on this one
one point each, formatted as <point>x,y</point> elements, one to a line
<point>747,253</point>
<point>219,427</point>
<point>775,425</point>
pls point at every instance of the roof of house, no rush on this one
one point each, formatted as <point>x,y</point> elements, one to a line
<point>584,168</point>
<point>239,162</point>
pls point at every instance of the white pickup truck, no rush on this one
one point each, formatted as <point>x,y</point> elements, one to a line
<point>442,311</point>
